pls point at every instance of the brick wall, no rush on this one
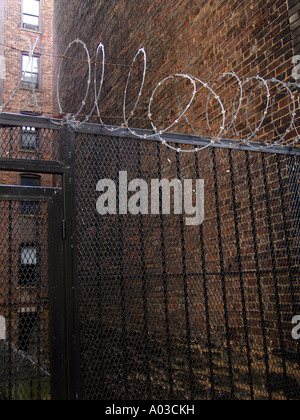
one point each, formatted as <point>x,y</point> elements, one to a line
<point>2,42</point>
<point>204,39</point>
<point>12,24</point>
<point>15,300</point>
<point>294,17</point>
<point>200,38</point>
<point>23,101</point>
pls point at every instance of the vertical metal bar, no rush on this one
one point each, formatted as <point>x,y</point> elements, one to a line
<point>11,138</point>
<point>38,145</point>
<point>274,269</point>
<point>57,303</point>
<point>10,298</point>
<point>242,286</point>
<point>186,294</point>
<point>165,279</point>
<point>122,287</point>
<point>206,299</point>
<point>144,284</point>
<point>223,275</point>
<point>258,273</point>
<point>67,156</point>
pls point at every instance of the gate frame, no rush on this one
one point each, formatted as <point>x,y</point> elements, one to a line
<point>53,198</point>
<point>64,304</point>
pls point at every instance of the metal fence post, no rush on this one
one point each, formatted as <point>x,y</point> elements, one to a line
<point>67,154</point>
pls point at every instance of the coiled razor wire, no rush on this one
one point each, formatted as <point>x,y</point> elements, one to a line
<point>228,118</point>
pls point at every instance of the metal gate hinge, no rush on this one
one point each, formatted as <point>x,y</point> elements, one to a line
<point>64,229</point>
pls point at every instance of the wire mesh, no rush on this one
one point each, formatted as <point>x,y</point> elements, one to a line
<point>29,143</point>
<point>24,301</point>
<point>166,310</point>
<point>170,311</point>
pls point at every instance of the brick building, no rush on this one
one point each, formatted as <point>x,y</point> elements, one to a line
<point>27,46</point>
<point>294,17</point>
<point>203,39</point>
<point>25,24</point>
<point>234,289</point>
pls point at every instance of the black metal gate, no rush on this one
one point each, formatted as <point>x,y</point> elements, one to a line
<point>30,256</point>
<point>34,261</point>
<point>149,307</point>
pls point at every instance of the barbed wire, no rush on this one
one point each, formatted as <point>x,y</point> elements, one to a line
<point>229,117</point>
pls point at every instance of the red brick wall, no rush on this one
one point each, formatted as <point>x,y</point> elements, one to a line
<point>294,17</point>
<point>205,39</point>
<point>12,31</point>
<point>200,38</point>
<point>22,227</point>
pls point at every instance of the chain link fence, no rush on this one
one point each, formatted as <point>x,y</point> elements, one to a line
<point>170,311</point>
<point>146,306</point>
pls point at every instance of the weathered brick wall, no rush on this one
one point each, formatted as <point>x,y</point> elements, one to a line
<point>118,277</point>
<point>294,17</point>
<point>11,31</point>
<point>45,47</point>
<point>2,42</point>
<point>200,38</point>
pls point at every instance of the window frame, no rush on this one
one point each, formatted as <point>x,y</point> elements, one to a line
<point>39,28</point>
<point>33,269</point>
<point>39,78</point>
<point>30,176</point>
<point>30,148</point>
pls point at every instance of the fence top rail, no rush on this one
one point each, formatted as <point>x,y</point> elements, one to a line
<point>121,132</point>
<point>188,139</point>
<point>30,120</point>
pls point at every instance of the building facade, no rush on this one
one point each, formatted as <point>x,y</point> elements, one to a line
<point>27,82</point>
<point>26,88</point>
<point>27,25</point>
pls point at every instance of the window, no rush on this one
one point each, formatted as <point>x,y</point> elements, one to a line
<point>30,71</point>
<point>30,207</point>
<point>30,180</point>
<point>31,11</point>
<point>28,271</point>
<point>29,138</point>
<point>27,330</point>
